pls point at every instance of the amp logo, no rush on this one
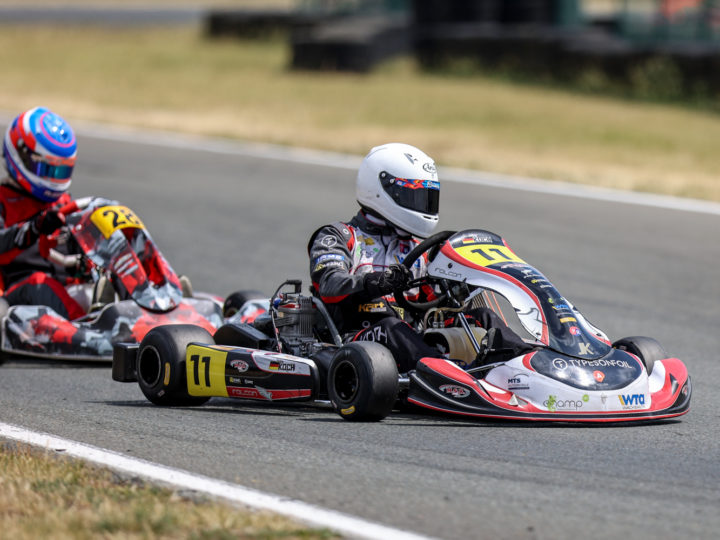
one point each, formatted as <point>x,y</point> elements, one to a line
<point>632,400</point>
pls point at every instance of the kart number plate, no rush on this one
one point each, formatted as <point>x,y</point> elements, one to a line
<point>487,254</point>
<point>205,369</point>
<point>109,219</point>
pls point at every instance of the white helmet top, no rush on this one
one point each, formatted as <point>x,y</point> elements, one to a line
<point>399,183</point>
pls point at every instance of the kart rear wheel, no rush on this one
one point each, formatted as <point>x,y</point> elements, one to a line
<point>235,301</point>
<point>161,364</point>
<point>363,382</point>
<point>645,348</point>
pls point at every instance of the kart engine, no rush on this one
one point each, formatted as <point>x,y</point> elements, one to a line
<point>294,320</point>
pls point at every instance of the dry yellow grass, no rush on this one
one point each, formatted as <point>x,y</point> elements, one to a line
<point>42,496</point>
<point>174,79</point>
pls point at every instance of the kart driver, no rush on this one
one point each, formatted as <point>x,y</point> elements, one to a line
<point>39,150</point>
<point>354,266</point>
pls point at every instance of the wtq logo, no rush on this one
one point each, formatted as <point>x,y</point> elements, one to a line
<point>631,400</point>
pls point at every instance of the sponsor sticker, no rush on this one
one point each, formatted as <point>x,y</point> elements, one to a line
<point>553,404</point>
<point>632,401</point>
<point>374,307</point>
<point>455,390</point>
<point>241,365</point>
<point>329,241</point>
<point>330,257</point>
<point>281,366</point>
<point>519,381</point>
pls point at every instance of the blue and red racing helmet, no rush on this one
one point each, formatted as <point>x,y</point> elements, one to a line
<point>40,151</point>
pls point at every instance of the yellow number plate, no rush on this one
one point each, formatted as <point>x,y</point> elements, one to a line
<point>487,254</point>
<point>109,219</point>
<point>205,368</point>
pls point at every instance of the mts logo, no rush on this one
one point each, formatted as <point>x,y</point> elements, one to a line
<point>515,380</point>
<point>632,399</point>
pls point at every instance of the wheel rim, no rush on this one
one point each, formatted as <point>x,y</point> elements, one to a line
<point>149,367</point>
<point>346,381</point>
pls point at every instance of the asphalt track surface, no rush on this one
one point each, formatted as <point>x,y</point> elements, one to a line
<point>234,221</point>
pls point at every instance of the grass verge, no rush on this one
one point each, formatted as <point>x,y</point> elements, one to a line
<point>175,79</point>
<point>43,496</point>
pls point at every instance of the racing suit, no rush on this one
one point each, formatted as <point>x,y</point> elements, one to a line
<point>25,276</point>
<point>342,254</point>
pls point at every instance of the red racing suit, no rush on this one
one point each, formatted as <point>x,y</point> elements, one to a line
<point>27,277</point>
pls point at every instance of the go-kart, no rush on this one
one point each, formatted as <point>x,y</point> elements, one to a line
<point>572,372</point>
<point>126,289</point>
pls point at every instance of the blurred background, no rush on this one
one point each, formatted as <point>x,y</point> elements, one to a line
<point>615,93</point>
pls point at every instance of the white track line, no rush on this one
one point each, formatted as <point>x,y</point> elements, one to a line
<point>322,158</point>
<point>313,515</point>
<point>350,162</point>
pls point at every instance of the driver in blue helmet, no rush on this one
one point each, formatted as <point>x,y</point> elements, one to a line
<point>39,151</point>
<point>356,266</point>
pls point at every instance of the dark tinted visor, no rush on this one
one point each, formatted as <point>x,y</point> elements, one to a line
<point>37,166</point>
<point>418,195</point>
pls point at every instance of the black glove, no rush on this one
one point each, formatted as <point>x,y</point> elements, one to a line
<point>395,277</point>
<point>48,221</point>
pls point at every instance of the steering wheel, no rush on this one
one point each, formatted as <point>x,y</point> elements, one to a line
<point>431,246</point>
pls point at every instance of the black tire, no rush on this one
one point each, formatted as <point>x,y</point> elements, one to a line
<point>645,348</point>
<point>236,300</point>
<point>163,349</point>
<point>4,307</point>
<point>363,382</point>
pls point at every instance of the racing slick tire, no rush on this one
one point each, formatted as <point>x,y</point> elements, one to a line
<point>161,364</point>
<point>363,382</point>
<point>645,348</point>
<point>4,307</point>
<point>236,300</point>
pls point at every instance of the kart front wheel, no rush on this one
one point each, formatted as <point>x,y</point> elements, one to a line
<point>235,301</point>
<point>161,364</point>
<point>645,348</point>
<point>363,382</point>
<point>4,307</point>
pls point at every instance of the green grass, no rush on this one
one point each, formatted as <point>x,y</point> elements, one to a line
<point>175,79</point>
<point>42,496</point>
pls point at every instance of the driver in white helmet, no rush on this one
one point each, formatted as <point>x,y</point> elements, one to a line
<point>356,266</point>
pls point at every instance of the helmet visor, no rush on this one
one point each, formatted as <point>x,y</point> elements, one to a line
<point>35,164</point>
<point>418,195</point>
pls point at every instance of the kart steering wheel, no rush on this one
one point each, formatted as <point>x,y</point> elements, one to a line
<point>431,246</point>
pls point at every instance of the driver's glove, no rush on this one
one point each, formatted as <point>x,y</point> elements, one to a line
<point>394,277</point>
<point>46,222</point>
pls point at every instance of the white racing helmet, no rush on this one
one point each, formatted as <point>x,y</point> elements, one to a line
<point>399,183</point>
